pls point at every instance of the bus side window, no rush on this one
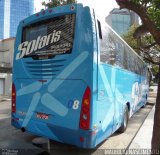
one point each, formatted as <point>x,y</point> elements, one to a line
<point>126,62</point>
<point>99,29</point>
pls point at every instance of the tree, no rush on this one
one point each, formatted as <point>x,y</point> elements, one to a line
<point>149,12</point>
<point>142,46</point>
<point>128,37</point>
<point>54,3</point>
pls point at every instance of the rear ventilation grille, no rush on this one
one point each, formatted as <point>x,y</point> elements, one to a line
<point>44,68</point>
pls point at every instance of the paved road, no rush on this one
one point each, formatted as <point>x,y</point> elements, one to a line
<point>11,137</point>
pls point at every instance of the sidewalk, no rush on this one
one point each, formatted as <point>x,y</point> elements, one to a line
<point>4,98</point>
<point>144,136</point>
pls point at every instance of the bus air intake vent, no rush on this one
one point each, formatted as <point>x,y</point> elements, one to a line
<point>45,68</point>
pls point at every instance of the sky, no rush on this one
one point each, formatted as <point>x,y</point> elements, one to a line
<point>100,6</point>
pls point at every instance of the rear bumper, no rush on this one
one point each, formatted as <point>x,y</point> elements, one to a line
<point>79,138</point>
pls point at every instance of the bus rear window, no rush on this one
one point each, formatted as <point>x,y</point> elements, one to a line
<point>45,39</point>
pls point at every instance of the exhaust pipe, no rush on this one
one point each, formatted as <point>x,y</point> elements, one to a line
<point>23,129</point>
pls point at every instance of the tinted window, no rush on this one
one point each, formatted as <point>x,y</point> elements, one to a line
<point>107,47</point>
<point>114,51</point>
<point>49,37</point>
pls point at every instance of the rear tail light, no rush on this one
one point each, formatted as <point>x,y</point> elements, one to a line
<point>85,110</point>
<point>13,98</point>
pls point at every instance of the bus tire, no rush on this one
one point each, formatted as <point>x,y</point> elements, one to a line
<point>124,124</point>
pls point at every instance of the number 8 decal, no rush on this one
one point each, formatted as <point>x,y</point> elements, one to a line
<point>75,105</point>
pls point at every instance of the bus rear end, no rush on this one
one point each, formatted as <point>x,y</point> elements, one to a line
<point>52,75</point>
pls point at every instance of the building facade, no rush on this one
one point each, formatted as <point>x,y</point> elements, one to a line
<point>12,12</point>
<point>6,63</point>
<point>121,20</point>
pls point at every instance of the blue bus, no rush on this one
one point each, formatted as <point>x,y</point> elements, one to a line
<point>75,80</point>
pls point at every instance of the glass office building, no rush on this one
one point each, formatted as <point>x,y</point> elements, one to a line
<point>1,18</point>
<point>121,20</point>
<point>11,13</point>
<point>121,23</point>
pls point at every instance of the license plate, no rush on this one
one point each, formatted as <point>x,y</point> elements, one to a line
<point>42,116</point>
